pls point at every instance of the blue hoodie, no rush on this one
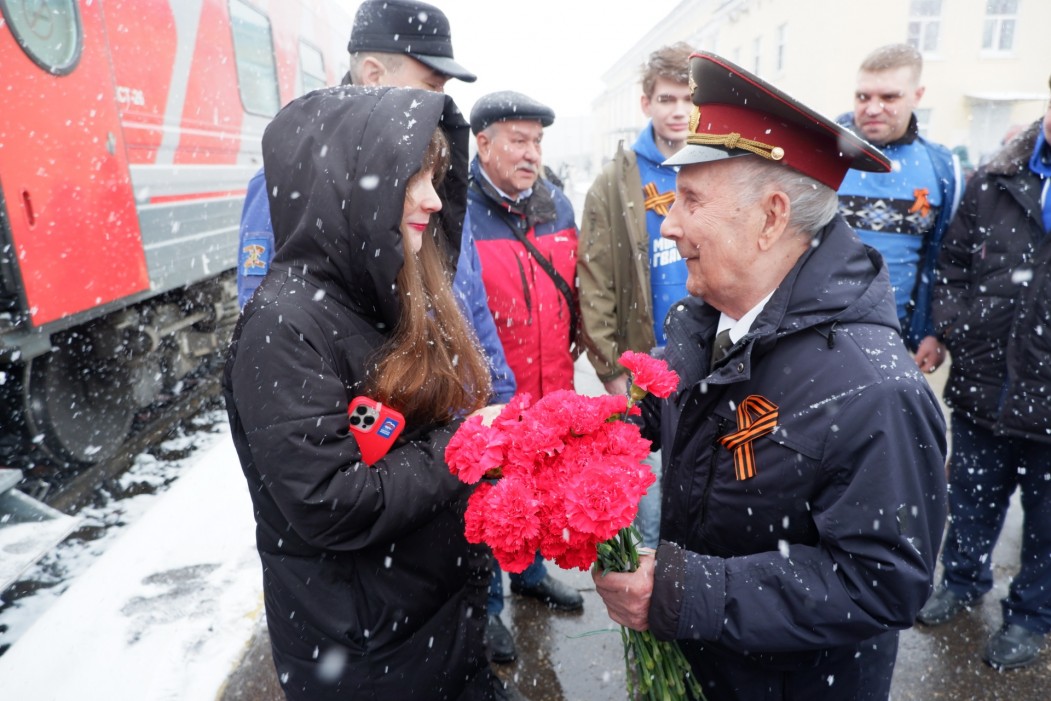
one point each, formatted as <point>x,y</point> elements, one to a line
<point>667,268</point>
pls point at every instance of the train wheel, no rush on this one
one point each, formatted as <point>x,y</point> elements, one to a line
<point>78,408</point>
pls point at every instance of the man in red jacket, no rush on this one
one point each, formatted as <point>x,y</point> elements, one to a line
<point>524,230</point>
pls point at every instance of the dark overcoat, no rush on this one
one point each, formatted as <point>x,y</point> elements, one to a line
<point>371,589</point>
<point>793,583</point>
<point>992,303</point>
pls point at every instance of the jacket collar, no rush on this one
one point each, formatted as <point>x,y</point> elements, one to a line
<point>1015,157</point>
<point>1040,161</point>
<point>537,208</point>
<point>646,147</point>
<point>837,281</point>
<point>912,131</point>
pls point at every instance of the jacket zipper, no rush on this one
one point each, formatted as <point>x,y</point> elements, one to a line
<point>711,471</point>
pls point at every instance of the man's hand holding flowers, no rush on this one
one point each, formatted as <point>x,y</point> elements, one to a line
<point>569,477</point>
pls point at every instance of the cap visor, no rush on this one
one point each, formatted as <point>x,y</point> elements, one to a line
<point>691,153</point>
<point>446,66</point>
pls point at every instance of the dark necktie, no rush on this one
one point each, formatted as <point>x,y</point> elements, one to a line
<point>721,346</point>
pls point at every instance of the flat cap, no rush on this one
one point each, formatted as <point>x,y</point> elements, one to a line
<point>739,114</point>
<point>507,104</point>
<point>407,27</point>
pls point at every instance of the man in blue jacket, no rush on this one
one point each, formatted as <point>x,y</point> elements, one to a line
<point>804,453</point>
<point>902,214</point>
<point>389,45</point>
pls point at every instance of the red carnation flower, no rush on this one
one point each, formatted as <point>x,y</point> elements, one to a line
<point>570,482</point>
<point>649,374</point>
<point>474,450</point>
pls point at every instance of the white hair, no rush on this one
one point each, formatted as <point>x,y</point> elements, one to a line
<point>814,204</point>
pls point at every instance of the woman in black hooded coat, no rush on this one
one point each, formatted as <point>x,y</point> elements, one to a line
<point>371,589</point>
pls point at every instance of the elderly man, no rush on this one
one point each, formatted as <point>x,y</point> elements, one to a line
<point>803,451</point>
<point>527,242</point>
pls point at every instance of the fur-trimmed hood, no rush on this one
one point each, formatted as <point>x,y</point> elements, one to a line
<point>1014,157</point>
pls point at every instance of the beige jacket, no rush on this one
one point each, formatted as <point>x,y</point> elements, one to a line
<point>613,269</point>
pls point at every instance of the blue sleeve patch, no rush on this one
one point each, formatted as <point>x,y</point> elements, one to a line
<point>254,259</point>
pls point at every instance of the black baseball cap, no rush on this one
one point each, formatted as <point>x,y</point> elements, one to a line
<point>405,27</point>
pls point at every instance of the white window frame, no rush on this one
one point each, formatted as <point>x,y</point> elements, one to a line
<point>781,49</point>
<point>253,41</point>
<point>922,24</point>
<point>923,120</point>
<point>993,28</point>
<point>311,77</point>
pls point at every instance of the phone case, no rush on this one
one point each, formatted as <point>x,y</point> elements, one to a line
<point>375,427</point>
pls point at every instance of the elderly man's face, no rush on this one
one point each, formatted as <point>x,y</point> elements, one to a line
<point>714,225</point>
<point>510,153</point>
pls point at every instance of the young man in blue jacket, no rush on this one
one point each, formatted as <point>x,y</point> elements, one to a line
<point>628,275</point>
<point>903,214</point>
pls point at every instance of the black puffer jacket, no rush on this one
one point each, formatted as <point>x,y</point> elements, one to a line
<point>992,302</point>
<point>371,589</point>
<point>833,541</point>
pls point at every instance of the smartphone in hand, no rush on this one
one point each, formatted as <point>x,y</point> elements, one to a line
<point>375,427</point>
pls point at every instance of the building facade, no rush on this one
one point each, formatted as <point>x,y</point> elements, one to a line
<point>986,62</point>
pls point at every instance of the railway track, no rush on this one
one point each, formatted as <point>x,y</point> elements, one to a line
<point>68,490</point>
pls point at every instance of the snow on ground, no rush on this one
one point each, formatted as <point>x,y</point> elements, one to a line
<point>162,606</point>
<point>166,610</point>
<point>106,519</point>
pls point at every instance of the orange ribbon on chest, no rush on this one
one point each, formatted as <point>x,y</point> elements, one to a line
<point>922,203</point>
<point>756,416</point>
<point>658,202</point>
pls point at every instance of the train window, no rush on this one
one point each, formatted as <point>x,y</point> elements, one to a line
<point>48,32</point>
<point>254,52</point>
<point>311,67</point>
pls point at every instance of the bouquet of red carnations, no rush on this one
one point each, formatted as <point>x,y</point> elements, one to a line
<point>564,476</point>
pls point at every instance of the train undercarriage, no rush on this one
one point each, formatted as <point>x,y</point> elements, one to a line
<point>73,404</point>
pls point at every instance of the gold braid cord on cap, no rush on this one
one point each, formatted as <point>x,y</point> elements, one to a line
<point>731,141</point>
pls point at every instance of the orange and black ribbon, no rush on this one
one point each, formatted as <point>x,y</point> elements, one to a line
<point>658,202</point>
<point>756,416</point>
<point>922,204</point>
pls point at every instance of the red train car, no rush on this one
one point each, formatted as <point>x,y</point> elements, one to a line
<point>128,132</point>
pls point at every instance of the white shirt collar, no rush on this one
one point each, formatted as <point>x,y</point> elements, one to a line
<point>739,327</point>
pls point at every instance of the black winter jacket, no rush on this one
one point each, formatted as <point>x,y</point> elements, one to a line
<point>992,302</point>
<point>833,541</point>
<point>371,589</point>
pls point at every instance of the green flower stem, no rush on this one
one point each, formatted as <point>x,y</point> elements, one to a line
<point>656,670</point>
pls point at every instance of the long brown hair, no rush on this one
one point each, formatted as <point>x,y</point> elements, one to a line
<point>431,369</point>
